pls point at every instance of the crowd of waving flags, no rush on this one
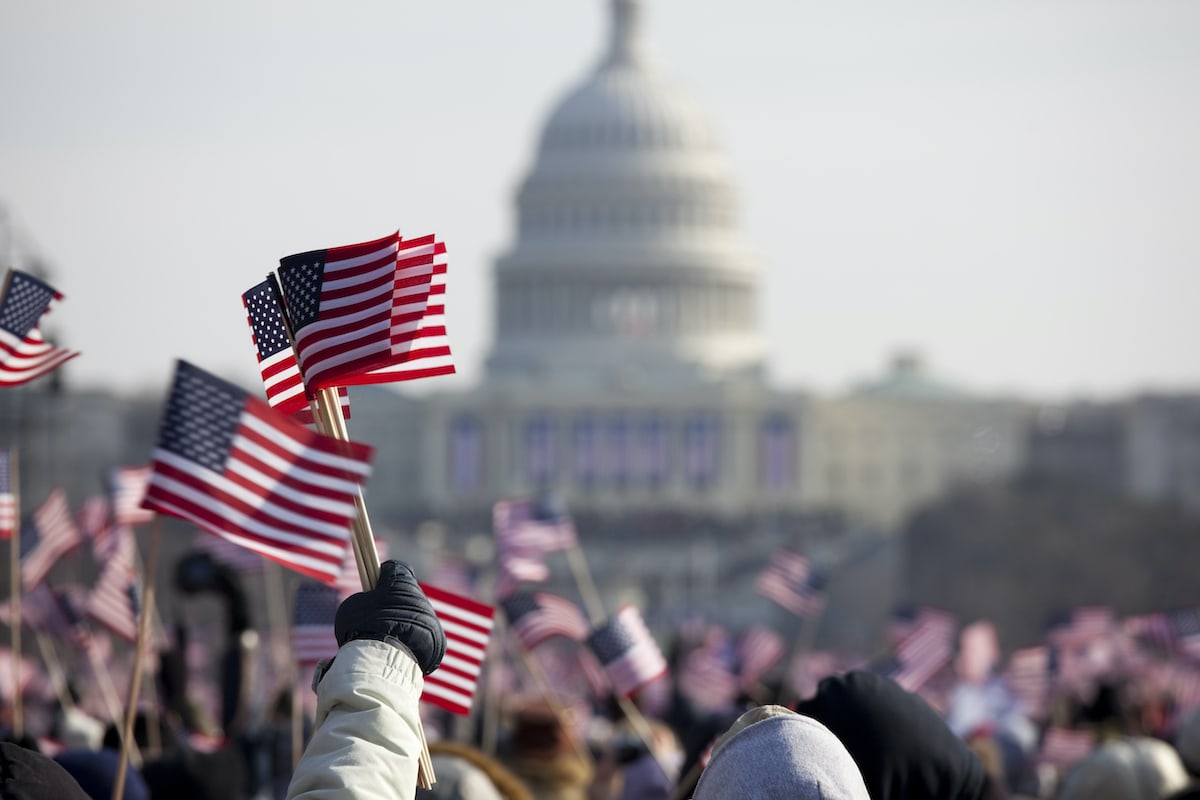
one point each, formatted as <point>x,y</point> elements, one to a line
<point>262,486</point>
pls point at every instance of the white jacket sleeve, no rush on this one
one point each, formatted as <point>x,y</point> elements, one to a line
<point>366,743</point>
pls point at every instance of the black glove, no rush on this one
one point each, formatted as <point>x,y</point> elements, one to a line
<point>396,611</point>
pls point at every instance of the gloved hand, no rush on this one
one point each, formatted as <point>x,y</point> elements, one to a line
<point>395,611</point>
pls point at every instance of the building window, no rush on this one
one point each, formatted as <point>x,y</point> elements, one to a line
<point>466,454</point>
<point>777,454</point>
<point>701,449</point>
<point>585,450</point>
<point>540,462</point>
<point>652,455</point>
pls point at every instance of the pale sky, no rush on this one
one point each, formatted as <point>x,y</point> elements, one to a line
<point>1012,188</point>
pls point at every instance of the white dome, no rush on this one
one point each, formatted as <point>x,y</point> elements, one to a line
<point>628,259</point>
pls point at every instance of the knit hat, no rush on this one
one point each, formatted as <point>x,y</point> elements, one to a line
<point>771,752</point>
<point>29,775</point>
<point>1133,768</point>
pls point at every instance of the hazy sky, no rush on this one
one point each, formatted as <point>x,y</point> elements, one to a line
<point>1011,187</point>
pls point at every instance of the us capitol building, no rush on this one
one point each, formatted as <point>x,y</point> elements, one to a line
<point>627,376</point>
<point>627,371</point>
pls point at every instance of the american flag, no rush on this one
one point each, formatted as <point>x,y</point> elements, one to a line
<point>537,616</point>
<point>1064,747</point>
<point>1029,678</point>
<point>358,313</point>
<point>24,354</point>
<point>532,526</point>
<point>1185,625</point>
<point>350,582</point>
<point>515,568</point>
<point>788,580</point>
<point>1085,624</point>
<point>468,627</point>
<point>128,485</point>
<point>419,346</point>
<point>925,649</point>
<point>276,357</point>
<point>8,498</point>
<point>228,463</point>
<point>624,647</point>
<point>57,535</point>
<point>93,519</point>
<point>759,650</point>
<point>707,676</point>
<point>312,623</point>
<point>115,601</point>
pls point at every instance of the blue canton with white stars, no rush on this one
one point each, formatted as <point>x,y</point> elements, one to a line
<point>29,537</point>
<point>201,417</point>
<point>266,318</point>
<point>611,642</point>
<point>519,605</point>
<point>24,303</point>
<point>301,276</point>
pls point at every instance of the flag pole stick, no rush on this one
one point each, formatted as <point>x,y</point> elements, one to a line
<point>54,666</point>
<point>14,577</point>
<point>111,701</point>
<point>561,713</point>
<point>642,728</point>
<point>330,420</point>
<point>139,653</point>
<point>587,587</point>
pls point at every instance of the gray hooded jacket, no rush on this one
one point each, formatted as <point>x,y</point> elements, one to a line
<point>780,754</point>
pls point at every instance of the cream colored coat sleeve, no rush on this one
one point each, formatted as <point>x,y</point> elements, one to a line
<point>365,745</point>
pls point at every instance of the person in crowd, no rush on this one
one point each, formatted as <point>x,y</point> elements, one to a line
<point>542,752</point>
<point>1126,768</point>
<point>771,753</point>
<point>367,740</point>
<point>904,749</point>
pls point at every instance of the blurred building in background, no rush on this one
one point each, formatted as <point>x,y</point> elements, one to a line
<point>627,376</point>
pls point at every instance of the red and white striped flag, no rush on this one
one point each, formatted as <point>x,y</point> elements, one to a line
<point>535,617</point>
<point>24,354</point>
<point>420,347</point>
<point>315,608</point>
<point>468,627</point>
<point>276,357</point>
<point>115,601</point>
<point>228,463</point>
<point>789,581</point>
<point>353,317</point>
<point>128,486</point>
<point>57,535</point>
<point>8,498</point>
<point>759,650</point>
<point>1064,747</point>
<point>625,648</point>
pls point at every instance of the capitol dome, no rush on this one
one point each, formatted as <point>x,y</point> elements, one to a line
<point>628,264</point>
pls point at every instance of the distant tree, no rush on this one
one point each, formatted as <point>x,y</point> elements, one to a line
<point>1022,553</point>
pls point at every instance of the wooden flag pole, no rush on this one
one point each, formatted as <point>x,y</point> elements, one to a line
<point>14,578</point>
<point>54,666</point>
<point>144,615</point>
<point>561,713</point>
<point>328,413</point>
<point>111,701</point>
<point>587,586</point>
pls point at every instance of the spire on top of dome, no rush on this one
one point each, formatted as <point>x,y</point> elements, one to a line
<point>626,44</point>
